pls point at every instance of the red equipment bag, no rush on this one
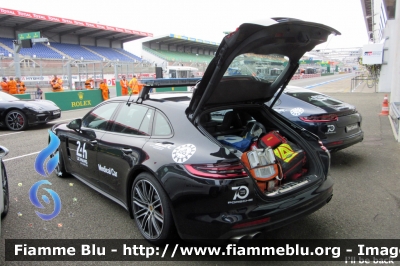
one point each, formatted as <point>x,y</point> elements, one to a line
<point>272,139</point>
<point>291,160</point>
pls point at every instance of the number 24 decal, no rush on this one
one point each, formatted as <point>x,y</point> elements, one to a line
<point>81,150</point>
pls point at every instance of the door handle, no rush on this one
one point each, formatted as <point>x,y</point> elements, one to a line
<point>165,142</point>
<point>127,150</point>
<point>93,142</point>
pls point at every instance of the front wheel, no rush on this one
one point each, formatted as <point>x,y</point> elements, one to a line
<point>16,120</point>
<point>151,210</point>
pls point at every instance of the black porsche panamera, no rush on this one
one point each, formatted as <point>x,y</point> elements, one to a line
<point>160,156</point>
<point>16,114</point>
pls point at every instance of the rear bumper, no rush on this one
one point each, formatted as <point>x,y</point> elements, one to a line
<point>342,143</point>
<point>276,214</point>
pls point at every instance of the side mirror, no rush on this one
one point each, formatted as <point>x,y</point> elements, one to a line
<point>75,124</point>
<point>3,151</point>
<point>90,134</point>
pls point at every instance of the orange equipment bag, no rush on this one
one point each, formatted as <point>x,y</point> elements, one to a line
<point>262,165</point>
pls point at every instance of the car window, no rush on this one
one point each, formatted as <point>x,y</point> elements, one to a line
<point>218,116</point>
<point>277,103</point>
<point>129,119</point>
<point>161,126</point>
<point>264,67</point>
<point>99,117</point>
<point>316,99</point>
<point>4,97</point>
<point>145,126</point>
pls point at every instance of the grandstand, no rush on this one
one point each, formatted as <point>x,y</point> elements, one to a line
<point>72,47</point>
<point>177,50</point>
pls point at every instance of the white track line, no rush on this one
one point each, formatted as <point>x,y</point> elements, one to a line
<point>29,154</point>
<point>11,133</point>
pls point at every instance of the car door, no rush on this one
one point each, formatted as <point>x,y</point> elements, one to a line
<point>120,148</point>
<point>82,146</point>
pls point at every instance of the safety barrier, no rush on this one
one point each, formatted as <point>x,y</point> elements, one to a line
<point>22,96</point>
<point>72,100</point>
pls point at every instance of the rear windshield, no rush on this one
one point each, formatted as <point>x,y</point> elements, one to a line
<point>316,99</point>
<point>265,68</point>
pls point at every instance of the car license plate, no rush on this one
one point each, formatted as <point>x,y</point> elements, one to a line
<point>56,112</point>
<point>351,127</point>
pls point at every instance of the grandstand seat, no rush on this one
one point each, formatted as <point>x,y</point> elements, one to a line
<point>39,50</point>
<point>76,51</point>
<point>135,57</point>
<point>108,53</point>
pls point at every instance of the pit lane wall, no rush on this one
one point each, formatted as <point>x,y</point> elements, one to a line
<point>72,100</point>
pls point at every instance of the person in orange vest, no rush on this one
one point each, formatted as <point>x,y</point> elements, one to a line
<point>4,85</point>
<point>20,86</point>
<point>104,90</point>
<point>12,86</point>
<point>124,86</point>
<point>88,84</point>
<point>134,85</point>
<point>56,84</point>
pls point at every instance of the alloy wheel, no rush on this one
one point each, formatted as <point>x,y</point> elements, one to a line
<point>15,120</point>
<point>148,209</point>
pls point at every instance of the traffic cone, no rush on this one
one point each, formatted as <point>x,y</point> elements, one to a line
<point>385,106</point>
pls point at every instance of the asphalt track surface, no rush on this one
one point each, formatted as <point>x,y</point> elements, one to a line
<point>365,205</point>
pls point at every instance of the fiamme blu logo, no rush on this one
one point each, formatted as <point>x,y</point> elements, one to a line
<point>45,169</point>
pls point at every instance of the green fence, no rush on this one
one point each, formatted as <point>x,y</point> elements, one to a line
<point>72,100</point>
<point>118,88</point>
<point>22,96</point>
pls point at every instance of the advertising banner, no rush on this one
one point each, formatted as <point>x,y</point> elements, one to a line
<point>372,54</point>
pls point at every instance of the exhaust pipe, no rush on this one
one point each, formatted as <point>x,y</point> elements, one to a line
<point>255,235</point>
<point>237,239</point>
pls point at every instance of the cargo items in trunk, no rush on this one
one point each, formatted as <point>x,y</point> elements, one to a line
<point>272,160</point>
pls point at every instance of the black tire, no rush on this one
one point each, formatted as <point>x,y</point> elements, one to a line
<point>151,211</point>
<point>6,197</point>
<point>60,168</point>
<point>16,120</point>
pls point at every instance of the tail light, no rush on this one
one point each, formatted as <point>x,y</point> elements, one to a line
<point>252,223</point>
<point>218,171</point>
<point>319,118</point>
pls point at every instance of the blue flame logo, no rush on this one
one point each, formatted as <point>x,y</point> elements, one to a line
<point>46,152</point>
<point>35,201</point>
<point>49,151</point>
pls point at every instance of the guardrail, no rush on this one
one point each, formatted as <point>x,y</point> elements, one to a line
<point>358,80</point>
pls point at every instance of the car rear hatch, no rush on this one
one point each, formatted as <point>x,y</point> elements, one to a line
<point>253,62</point>
<point>250,66</point>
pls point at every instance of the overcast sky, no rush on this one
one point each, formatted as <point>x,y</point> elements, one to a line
<point>205,19</point>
